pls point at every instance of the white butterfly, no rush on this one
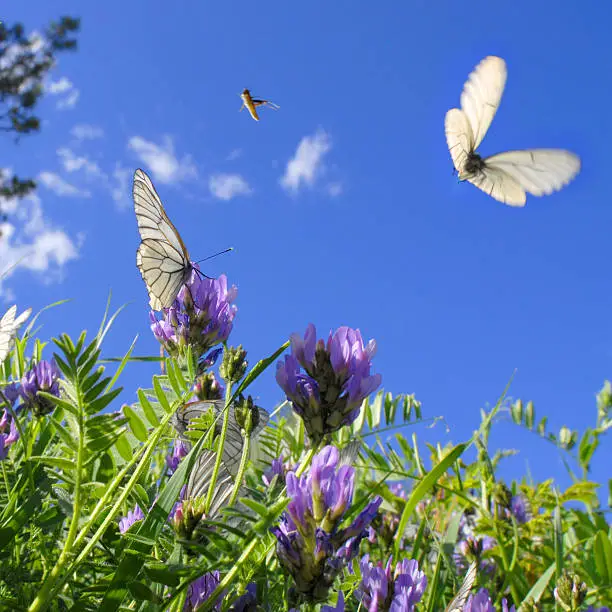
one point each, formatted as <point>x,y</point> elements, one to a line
<point>505,176</point>
<point>162,257</point>
<point>9,326</point>
<point>457,603</point>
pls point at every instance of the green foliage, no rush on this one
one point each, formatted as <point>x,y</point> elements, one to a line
<point>75,472</point>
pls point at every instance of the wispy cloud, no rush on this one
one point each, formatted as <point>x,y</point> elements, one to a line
<point>334,189</point>
<point>68,92</point>
<point>72,162</point>
<point>59,186</point>
<point>162,161</point>
<point>307,163</point>
<point>234,154</point>
<point>84,131</point>
<point>35,245</point>
<point>120,187</point>
<point>228,186</point>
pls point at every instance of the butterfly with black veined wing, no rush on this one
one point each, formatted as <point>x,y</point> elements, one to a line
<point>232,447</point>
<point>162,257</point>
<point>457,603</point>
<point>9,326</point>
<point>251,104</point>
<point>505,176</point>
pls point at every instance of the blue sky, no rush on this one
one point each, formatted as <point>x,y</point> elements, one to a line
<point>369,229</point>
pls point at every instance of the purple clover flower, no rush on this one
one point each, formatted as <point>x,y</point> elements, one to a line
<point>592,609</point>
<point>336,380</point>
<point>311,546</point>
<point>7,440</point>
<point>202,316</point>
<point>519,507</point>
<point>246,602</point>
<point>481,602</point>
<point>44,376</point>
<point>200,590</point>
<point>472,549</point>
<point>279,467</point>
<point>179,451</point>
<point>397,591</point>
<point>132,517</point>
<point>11,392</point>
<point>339,607</point>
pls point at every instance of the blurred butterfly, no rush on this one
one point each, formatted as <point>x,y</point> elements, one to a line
<point>505,176</point>
<point>162,257</point>
<point>234,440</point>
<point>457,603</point>
<point>9,326</point>
<point>251,104</point>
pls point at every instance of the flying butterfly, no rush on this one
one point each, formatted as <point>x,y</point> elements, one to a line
<point>162,257</point>
<point>457,603</point>
<point>232,447</point>
<point>506,177</point>
<point>252,103</point>
<point>9,326</point>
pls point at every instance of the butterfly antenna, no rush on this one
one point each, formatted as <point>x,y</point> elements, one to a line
<point>215,255</point>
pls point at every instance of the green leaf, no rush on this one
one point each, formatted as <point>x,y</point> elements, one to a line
<point>161,395</point>
<point>136,425</point>
<point>102,402</point>
<point>602,549</point>
<point>423,488</point>
<point>541,585</point>
<point>148,410</point>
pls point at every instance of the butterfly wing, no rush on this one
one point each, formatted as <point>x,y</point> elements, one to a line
<point>457,603</point>
<point>499,185</point>
<point>162,257</point>
<point>459,138</point>
<point>9,326</point>
<point>482,94</point>
<point>199,479</point>
<point>537,171</point>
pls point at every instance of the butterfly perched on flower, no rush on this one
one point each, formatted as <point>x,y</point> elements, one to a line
<point>508,176</point>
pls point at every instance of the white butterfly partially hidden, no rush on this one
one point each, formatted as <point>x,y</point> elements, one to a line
<point>505,176</point>
<point>9,326</point>
<point>162,257</point>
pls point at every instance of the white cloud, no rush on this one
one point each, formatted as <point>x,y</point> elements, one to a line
<point>307,163</point>
<point>61,87</point>
<point>120,189</point>
<point>84,131</point>
<point>45,249</point>
<point>334,189</point>
<point>59,186</point>
<point>161,160</point>
<point>72,162</point>
<point>234,154</point>
<point>228,186</point>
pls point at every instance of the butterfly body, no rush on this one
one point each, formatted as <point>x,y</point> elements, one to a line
<point>509,176</point>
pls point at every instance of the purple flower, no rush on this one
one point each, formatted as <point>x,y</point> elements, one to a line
<point>7,440</point>
<point>472,549</point>
<point>481,602</point>
<point>11,392</point>
<point>246,602</point>
<point>339,607</point>
<point>179,451</point>
<point>336,380</point>
<point>397,488</point>
<point>200,590</point>
<point>592,609</point>
<point>397,591</point>
<point>132,517</point>
<point>202,316</point>
<point>519,507</point>
<point>44,376</point>
<point>278,468</point>
<point>311,545</point>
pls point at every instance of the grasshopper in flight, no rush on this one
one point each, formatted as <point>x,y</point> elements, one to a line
<point>253,103</point>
